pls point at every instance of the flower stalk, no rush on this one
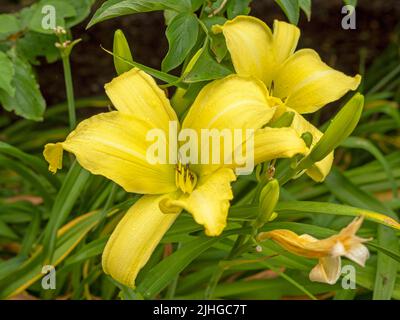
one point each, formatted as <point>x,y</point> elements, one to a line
<point>65,46</point>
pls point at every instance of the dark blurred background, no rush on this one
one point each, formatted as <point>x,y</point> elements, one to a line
<point>92,67</point>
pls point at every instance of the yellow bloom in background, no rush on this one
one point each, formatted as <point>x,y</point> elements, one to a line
<point>297,81</point>
<point>328,251</point>
<point>114,145</point>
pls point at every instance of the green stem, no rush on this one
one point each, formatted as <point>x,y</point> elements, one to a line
<point>70,91</point>
<point>203,26</point>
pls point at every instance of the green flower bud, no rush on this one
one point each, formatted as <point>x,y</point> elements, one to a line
<point>121,50</point>
<point>269,197</point>
<point>339,129</point>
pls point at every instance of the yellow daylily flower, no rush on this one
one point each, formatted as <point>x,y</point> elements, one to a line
<point>115,145</point>
<point>296,80</point>
<point>328,251</point>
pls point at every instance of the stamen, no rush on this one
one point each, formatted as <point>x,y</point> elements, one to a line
<point>184,178</point>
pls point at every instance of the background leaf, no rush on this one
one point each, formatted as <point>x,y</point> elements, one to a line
<point>9,24</point>
<point>6,74</point>
<point>305,6</point>
<point>237,7</point>
<point>291,9</point>
<point>82,11</point>
<point>28,101</point>
<point>182,36</point>
<point>33,45</point>
<point>206,68</point>
<point>116,8</point>
<point>361,143</point>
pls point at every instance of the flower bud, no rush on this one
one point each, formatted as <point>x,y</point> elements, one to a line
<point>269,197</point>
<point>121,50</point>
<point>340,128</point>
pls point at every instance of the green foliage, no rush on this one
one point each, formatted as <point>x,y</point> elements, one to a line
<point>8,70</point>
<point>34,45</point>
<point>206,68</point>
<point>9,24</point>
<point>182,36</point>
<point>237,7</point>
<point>23,96</point>
<point>305,5</point>
<point>116,8</point>
<point>24,40</point>
<point>291,8</point>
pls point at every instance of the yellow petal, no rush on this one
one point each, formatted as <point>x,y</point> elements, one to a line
<point>327,270</point>
<point>53,153</point>
<point>135,238</point>
<point>285,38</point>
<point>273,143</point>
<point>231,104</point>
<point>114,145</point>
<point>250,43</point>
<point>209,201</point>
<point>321,169</point>
<point>234,102</point>
<point>306,84</point>
<point>136,93</point>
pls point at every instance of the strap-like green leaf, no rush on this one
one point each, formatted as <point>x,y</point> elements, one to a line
<point>116,8</point>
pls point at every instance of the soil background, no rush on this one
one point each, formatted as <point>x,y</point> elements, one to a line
<point>92,67</point>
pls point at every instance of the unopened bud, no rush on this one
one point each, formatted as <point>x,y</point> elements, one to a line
<point>59,31</point>
<point>269,197</point>
<point>340,128</point>
<point>122,52</point>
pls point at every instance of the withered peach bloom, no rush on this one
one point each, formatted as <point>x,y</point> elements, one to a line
<point>328,251</point>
